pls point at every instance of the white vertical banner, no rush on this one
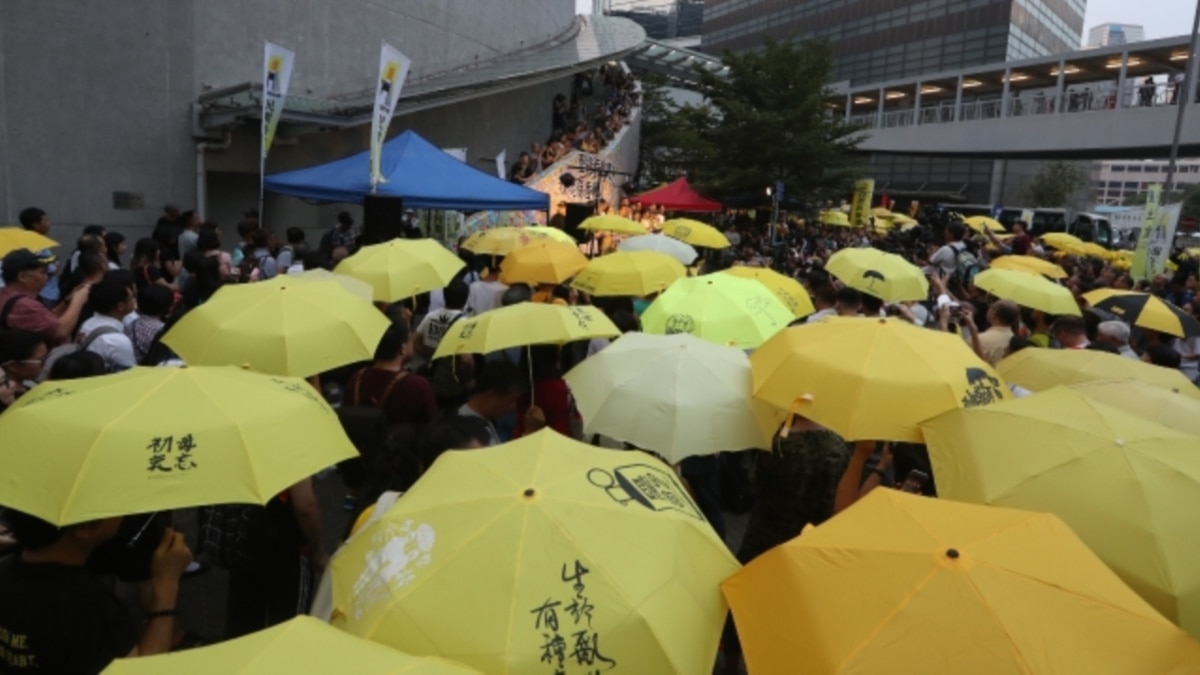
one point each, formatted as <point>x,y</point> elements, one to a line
<point>393,70</point>
<point>457,153</point>
<point>1160,240</point>
<point>502,164</point>
<point>277,74</point>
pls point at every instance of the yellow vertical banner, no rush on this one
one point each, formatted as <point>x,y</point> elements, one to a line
<point>1143,262</point>
<point>860,205</point>
<point>277,74</point>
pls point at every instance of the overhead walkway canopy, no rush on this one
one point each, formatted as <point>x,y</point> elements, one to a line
<point>678,64</point>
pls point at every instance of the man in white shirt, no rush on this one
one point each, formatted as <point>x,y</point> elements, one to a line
<point>1116,333</point>
<point>433,327</point>
<point>104,333</point>
<point>485,293</point>
<point>945,259</point>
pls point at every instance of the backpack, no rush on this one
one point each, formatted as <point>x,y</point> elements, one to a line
<point>966,265</point>
<point>247,267</point>
<point>72,347</point>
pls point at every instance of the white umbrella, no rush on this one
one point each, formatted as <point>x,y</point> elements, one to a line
<point>676,395</point>
<point>661,243</point>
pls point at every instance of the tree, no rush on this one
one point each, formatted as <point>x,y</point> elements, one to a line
<point>1055,184</point>
<point>767,117</point>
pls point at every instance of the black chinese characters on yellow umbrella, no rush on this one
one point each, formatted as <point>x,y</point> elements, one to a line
<point>543,555</point>
<point>154,439</point>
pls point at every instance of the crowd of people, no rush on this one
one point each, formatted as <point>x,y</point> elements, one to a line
<point>586,121</point>
<point>405,408</point>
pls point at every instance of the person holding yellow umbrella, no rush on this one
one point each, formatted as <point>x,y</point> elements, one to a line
<point>501,241</point>
<point>695,233</point>
<point>629,273</point>
<point>720,308</point>
<point>1124,484</point>
<point>402,268</point>
<point>582,548</point>
<point>1027,263</point>
<point>541,263</point>
<point>785,288</point>
<point>907,584</point>
<point>1039,369</point>
<point>1028,290</point>
<point>886,276</point>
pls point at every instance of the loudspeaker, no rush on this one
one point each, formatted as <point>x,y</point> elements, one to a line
<point>576,214</point>
<point>382,219</point>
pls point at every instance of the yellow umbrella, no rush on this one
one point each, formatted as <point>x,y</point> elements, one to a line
<point>1127,486</point>
<point>1163,406</point>
<point>13,238</point>
<point>402,268</point>
<point>527,323</point>
<point>1028,290</point>
<point>1094,250</point>
<point>675,395</point>
<point>153,439</point>
<point>633,273</point>
<point>785,288</point>
<point>1028,263</point>
<point>838,218</point>
<point>720,308</point>
<point>359,289</point>
<point>900,583</point>
<point>695,233</point>
<point>546,262</point>
<point>612,223</point>
<point>904,222</point>
<point>981,223</point>
<point>884,275</point>
<point>1062,240</point>
<point>1144,310</point>
<point>880,212</point>
<point>1038,369</point>
<point>537,556</point>
<point>871,379</point>
<point>301,646</point>
<point>501,241</point>
<point>1192,252</point>
<point>551,233</point>
<point>280,326</point>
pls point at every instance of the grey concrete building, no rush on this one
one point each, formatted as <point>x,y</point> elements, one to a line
<point>104,105</point>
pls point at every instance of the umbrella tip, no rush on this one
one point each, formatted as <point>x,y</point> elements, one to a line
<point>530,492</point>
<point>952,553</point>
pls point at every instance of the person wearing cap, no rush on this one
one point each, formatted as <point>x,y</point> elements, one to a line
<point>25,275</point>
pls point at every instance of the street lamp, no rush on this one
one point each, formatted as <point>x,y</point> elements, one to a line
<point>1183,98</point>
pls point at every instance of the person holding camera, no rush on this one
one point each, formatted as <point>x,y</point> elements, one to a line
<point>57,617</point>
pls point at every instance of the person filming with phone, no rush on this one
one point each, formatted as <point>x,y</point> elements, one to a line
<point>56,616</point>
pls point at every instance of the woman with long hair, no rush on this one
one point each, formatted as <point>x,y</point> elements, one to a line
<point>145,264</point>
<point>115,243</point>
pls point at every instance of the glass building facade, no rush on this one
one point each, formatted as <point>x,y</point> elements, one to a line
<point>881,40</point>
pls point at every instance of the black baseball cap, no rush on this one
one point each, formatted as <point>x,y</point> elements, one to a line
<point>23,259</point>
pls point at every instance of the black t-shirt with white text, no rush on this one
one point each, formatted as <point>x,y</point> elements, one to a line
<point>58,619</point>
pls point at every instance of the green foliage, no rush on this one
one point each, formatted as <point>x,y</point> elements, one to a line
<point>766,118</point>
<point>1055,184</point>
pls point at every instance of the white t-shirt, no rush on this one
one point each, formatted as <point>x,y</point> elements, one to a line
<point>435,324</point>
<point>484,296</point>
<point>115,347</point>
<point>1189,366</point>
<point>946,258</point>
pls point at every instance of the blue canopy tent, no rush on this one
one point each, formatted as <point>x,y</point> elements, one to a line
<point>415,170</point>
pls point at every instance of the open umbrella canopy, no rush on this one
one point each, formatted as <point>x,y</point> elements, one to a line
<point>1127,486</point>
<point>1062,240</point>
<point>286,325</point>
<point>695,233</point>
<point>612,223</point>
<point>1028,263</point>
<point>301,646</point>
<point>720,308</point>
<point>838,218</point>
<point>402,268</point>
<point>541,555</point>
<point>360,289</point>
<point>632,273</point>
<point>1156,404</point>
<point>13,238</point>
<point>1028,290</point>
<point>526,323</point>
<point>660,243</point>
<point>1039,369</point>
<point>948,589</point>
<point>501,241</point>
<point>543,262</point>
<point>981,223</point>
<point>871,379</point>
<point>154,439</point>
<point>886,276</point>
<point>1145,311</point>
<point>787,289</point>
<point>675,395</point>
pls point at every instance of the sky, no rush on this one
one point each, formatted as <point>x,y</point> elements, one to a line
<point>1161,18</point>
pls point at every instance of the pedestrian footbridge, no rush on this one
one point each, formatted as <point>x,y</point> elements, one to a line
<point>1109,103</point>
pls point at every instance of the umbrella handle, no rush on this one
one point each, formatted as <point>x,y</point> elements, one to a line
<point>529,358</point>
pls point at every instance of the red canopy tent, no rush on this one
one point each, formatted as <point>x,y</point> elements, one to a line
<point>676,196</point>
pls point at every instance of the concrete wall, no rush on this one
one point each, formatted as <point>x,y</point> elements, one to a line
<point>96,96</point>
